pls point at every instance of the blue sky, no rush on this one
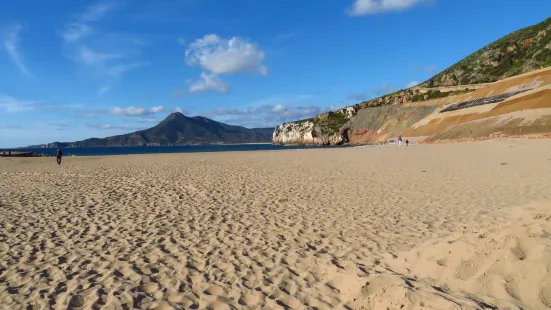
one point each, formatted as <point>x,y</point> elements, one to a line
<point>100,68</point>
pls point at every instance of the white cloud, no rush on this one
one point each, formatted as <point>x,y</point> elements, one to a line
<point>413,84</point>
<point>157,109</point>
<point>222,56</point>
<point>113,127</point>
<point>132,111</point>
<point>136,111</point>
<point>366,7</point>
<point>209,82</point>
<point>218,56</point>
<point>11,45</point>
<point>278,108</point>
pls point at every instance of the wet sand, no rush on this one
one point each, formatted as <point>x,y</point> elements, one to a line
<point>451,226</point>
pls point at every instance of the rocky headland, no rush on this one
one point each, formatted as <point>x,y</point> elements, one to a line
<point>502,89</point>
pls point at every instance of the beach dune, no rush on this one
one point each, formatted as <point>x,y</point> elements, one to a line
<point>453,226</point>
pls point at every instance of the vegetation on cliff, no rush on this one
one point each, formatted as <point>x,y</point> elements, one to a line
<point>519,52</point>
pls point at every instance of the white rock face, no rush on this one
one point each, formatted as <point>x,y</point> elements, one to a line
<point>303,133</point>
<point>307,133</point>
<point>349,112</point>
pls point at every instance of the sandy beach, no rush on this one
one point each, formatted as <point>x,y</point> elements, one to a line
<point>451,226</point>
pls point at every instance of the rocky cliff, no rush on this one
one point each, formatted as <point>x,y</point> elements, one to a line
<point>324,129</point>
<point>397,113</point>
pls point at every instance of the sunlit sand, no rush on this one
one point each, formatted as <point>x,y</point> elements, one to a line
<point>426,226</point>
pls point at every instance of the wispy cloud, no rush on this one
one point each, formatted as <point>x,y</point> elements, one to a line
<point>103,54</point>
<point>93,58</point>
<point>11,46</point>
<point>113,127</point>
<point>75,31</point>
<point>134,111</point>
<point>367,7</point>
<point>102,90</point>
<point>142,112</point>
<point>120,69</point>
<point>11,104</point>
<point>98,10</point>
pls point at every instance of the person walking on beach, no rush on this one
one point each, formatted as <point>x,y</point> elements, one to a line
<point>58,155</point>
<point>400,141</point>
<point>407,142</point>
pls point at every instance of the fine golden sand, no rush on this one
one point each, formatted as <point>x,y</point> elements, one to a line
<point>456,226</point>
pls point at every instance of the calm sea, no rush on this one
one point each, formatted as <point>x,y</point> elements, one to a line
<point>103,151</point>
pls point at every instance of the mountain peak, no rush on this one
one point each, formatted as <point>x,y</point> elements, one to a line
<point>174,116</point>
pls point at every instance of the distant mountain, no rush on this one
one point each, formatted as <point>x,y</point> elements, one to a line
<point>178,129</point>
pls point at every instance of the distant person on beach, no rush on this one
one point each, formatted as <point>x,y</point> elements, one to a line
<point>400,141</point>
<point>58,155</point>
<point>407,142</point>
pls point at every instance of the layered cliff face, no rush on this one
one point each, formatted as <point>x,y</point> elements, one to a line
<point>383,123</point>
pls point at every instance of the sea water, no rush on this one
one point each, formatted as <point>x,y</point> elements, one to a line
<point>104,151</point>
